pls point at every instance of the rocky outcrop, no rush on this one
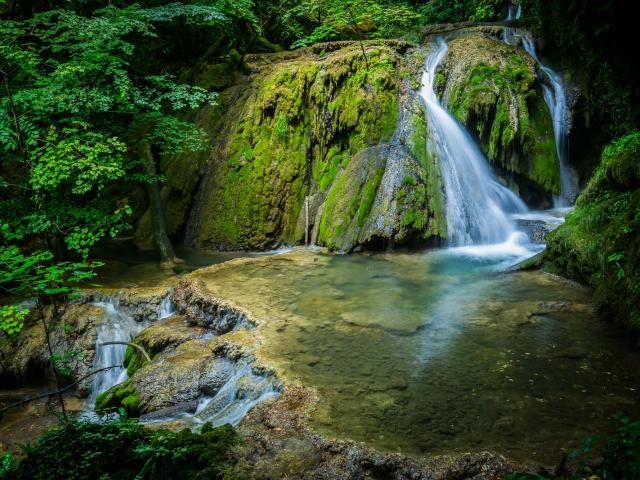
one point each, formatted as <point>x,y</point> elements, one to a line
<point>141,304</point>
<point>599,243</point>
<point>200,308</point>
<point>190,360</point>
<point>285,135</point>
<point>389,194</point>
<point>330,146</point>
<point>493,89</point>
<point>73,337</point>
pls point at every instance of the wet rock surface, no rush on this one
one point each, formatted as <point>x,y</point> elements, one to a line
<point>27,360</point>
<point>192,300</point>
<point>279,444</point>
<point>141,304</point>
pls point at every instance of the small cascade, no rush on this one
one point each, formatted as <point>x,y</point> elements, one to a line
<point>477,205</point>
<point>242,391</point>
<point>556,99</point>
<point>508,34</point>
<point>167,309</point>
<point>117,328</point>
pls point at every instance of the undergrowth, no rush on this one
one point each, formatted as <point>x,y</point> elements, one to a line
<point>123,449</point>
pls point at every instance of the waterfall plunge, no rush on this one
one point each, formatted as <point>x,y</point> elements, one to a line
<point>118,327</point>
<point>478,207</point>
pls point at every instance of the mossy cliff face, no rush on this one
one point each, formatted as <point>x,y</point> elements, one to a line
<point>492,88</point>
<point>599,244</point>
<point>287,132</point>
<point>308,147</point>
<point>389,194</point>
<point>328,146</point>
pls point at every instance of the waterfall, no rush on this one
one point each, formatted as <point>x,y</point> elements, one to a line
<point>513,13</point>
<point>477,206</point>
<point>167,309</point>
<point>118,327</point>
<point>556,100</point>
<point>243,391</point>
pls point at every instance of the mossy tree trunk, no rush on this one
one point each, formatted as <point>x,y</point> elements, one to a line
<point>159,229</point>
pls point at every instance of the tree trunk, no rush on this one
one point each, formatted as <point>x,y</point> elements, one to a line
<point>167,255</point>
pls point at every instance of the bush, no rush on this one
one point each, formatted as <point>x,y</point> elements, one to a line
<point>599,243</point>
<point>123,449</point>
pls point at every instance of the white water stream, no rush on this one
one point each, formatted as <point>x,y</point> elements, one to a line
<point>478,207</point>
<point>118,327</point>
<point>556,99</point>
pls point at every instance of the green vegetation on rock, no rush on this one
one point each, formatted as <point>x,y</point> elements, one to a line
<point>289,132</point>
<point>430,197</point>
<point>492,88</point>
<point>123,395</point>
<point>599,243</point>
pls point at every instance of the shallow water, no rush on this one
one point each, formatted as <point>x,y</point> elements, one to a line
<point>438,352</point>
<point>127,266</point>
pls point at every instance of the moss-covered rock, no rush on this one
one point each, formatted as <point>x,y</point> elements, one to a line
<point>163,334</point>
<point>123,395</point>
<point>286,132</point>
<point>25,360</point>
<point>599,243</point>
<point>492,88</point>
<point>390,194</point>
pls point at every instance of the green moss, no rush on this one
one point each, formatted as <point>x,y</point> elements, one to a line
<point>497,97</point>
<point>290,131</point>
<point>599,243</point>
<point>123,395</point>
<point>134,360</point>
<point>350,200</point>
<point>426,204</point>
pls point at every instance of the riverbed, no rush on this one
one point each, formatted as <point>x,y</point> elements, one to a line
<point>437,352</point>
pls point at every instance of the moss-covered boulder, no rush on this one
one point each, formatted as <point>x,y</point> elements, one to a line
<point>388,195</point>
<point>599,243</point>
<point>286,132</point>
<point>492,88</point>
<point>123,395</point>
<point>282,135</point>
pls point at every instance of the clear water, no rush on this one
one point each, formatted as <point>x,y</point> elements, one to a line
<point>439,352</point>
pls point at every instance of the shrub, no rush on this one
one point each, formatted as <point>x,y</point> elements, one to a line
<point>123,449</point>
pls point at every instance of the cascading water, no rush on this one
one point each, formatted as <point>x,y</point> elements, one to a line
<point>556,99</point>
<point>513,13</point>
<point>477,206</point>
<point>242,391</point>
<point>167,309</point>
<point>118,327</point>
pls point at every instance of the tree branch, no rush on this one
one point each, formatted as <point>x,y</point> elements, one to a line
<point>57,392</point>
<point>139,347</point>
